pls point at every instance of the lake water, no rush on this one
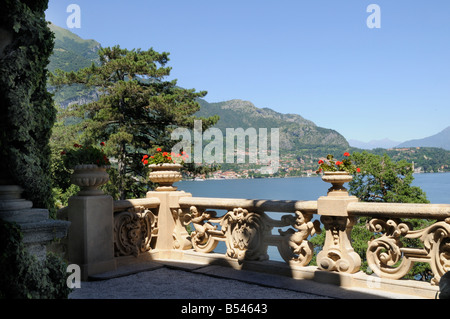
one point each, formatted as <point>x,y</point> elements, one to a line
<point>436,186</point>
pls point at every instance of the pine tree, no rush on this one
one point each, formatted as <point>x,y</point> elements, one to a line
<point>136,111</point>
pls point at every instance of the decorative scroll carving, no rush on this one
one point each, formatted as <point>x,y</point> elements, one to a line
<point>134,230</point>
<point>384,253</point>
<point>181,238</point>
<point>245,232</point>
<point>204,237</point>
<point>337,253</point>
<point>295,247</point>
<point>201,237</point>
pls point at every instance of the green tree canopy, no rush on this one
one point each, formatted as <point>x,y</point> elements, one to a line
<point>136,111</point>
<point>383,180</point>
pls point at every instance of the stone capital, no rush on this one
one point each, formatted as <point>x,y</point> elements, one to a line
<point>334,205</point>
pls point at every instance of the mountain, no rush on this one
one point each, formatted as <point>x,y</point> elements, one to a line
<point>441,140</point>
<point>384,143</point>
<point>72,52</point>
<point>296,132</point>
<point>302,142</point>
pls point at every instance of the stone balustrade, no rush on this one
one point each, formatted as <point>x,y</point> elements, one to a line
<point>176,225</point>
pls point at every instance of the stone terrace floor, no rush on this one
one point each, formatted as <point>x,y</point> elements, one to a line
<point>187,281</point>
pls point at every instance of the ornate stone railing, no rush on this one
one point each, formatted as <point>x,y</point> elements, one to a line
<point>157,225</point>
<point>246,229</point>
<point>135,226</point>
<point>386,255</point>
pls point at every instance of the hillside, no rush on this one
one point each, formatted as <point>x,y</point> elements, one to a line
<point>441,139</point>
<point>295,131</point>
<point>384,143</point>
<point>72,53</point>
<point>301,142</point>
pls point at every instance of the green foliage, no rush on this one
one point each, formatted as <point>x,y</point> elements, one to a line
<point>160,157</point>
<point>428,159</point>
<point>27,108</point>
<point>22,276</point>
<point>136,110</point>
<point>384,180</point>
<point>88,154</point>
<point>331,165</point>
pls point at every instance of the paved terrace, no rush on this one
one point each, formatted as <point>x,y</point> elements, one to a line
<point>168,279</point>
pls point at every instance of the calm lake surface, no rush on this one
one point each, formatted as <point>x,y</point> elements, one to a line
<point>436,186</point>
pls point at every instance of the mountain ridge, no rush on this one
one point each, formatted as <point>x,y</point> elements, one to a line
<point>295,131</point>
<point>383,143</point>
<point>440,140</point>
<point>72,53</point>
<point>302,142</point>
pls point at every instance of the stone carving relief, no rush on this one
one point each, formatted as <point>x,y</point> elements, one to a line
<point>337,253</point>
<point>295,247</point>
<point>389,259</point>
<point>134,230</point>
<point>245,232</point>
<point>204,237</point>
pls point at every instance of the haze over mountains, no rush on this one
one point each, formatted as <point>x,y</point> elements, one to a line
<point>72,53</point>
<point>441,139</point>
<point>384,143</point>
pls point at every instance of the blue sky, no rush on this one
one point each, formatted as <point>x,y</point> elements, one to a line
<point>315,58</point>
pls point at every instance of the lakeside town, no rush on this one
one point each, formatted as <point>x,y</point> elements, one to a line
<point>292,165</point>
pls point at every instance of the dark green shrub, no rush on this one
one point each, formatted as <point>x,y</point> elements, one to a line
<point>22,276</point>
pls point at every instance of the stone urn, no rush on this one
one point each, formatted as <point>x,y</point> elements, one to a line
<point>89,177</point>
<point>165,175</point>
<point>337,179</point>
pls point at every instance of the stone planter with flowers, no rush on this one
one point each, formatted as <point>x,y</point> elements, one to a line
<point>89,166</point>
<point>165,169</point>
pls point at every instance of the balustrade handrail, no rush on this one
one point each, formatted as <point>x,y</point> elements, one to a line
<point>256,205</point>
<point>120,205</point>
<point>400,210</point>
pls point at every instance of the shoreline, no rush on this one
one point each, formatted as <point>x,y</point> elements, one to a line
<point>282,177</point>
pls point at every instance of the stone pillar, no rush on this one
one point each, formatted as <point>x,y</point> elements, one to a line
<point>91,234</point>
<point>337,253</point>
<point>37,229</point>
<point>171,233</point>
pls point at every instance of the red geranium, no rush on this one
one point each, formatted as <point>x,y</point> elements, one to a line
<point>331,165</point>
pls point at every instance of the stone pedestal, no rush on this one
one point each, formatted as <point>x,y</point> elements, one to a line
<point>91,234</point>
<point>337,253</point>
<point>36,227</point>
<point>172,234</point>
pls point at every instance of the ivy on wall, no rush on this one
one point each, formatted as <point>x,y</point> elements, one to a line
<point>27,110</point>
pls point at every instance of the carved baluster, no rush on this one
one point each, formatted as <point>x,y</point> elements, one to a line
<point>384,254</point>
<point>295,248</point>
<point>201,238</point>
<point>245,235</point>
<point>134,230</point>
<point>337,253</point>
<point>436,240</point>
